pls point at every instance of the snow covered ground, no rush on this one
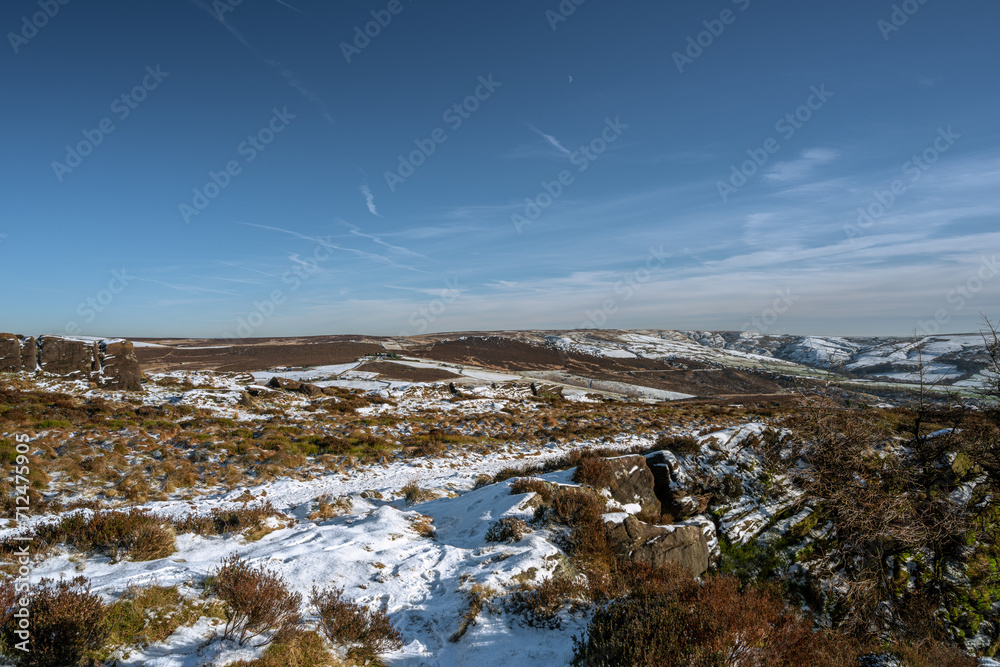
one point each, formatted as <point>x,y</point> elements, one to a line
<point>374,552</point>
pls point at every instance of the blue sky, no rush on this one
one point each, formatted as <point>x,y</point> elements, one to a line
<point>198,168</point>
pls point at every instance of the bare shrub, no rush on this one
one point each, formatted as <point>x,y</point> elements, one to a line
<point>932,653</point>
<point>573,507</point>
<point>594,472</point>
<point>682,445</point>
<point>710,624</point>
<point>257,600</point>
<point>367,633</point>
<point>136,534</point>
<point>225,521</point>
<point>67,625</point>
<point>539,487</point>
<point>507,529</point>
<point>539,606</point>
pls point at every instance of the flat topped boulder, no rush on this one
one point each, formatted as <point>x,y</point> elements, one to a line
<point>659,546</point>
<point>632,482</point>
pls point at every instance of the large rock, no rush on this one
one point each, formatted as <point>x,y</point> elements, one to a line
<point>284,383</point>
<point>68,357</point>
<point>10,353</point>
<point>111,364</point>
<point>660,545</point>
<point>296,386</point>
<point>120,367</point>
<point>673,488</point>
<point>633,482</point>
<point>29,354</point>
<point>17,353</point>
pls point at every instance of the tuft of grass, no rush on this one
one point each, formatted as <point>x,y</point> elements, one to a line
<point>480,596</point>
<point>293,648</point>
<point>413,494</point>
<point>143,616</point>
<point>424,526</point>
<point>328,507</point>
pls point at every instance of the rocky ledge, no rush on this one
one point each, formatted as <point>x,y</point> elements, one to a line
<point>110,363</point>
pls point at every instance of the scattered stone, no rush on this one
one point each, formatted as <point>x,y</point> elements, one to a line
<point>310,389</point>
<point>284,383</point>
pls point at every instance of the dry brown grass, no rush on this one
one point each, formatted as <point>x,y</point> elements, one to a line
<point>328,507</point>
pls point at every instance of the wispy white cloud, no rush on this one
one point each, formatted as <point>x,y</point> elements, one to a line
<point>551,139</point>
<point>194,289</point>
<point>296,9</point>
<point>792,171</point>
<point>325,243</point>
<point>369,199</point>
<point>356,231</point>
<point>289,76</point>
